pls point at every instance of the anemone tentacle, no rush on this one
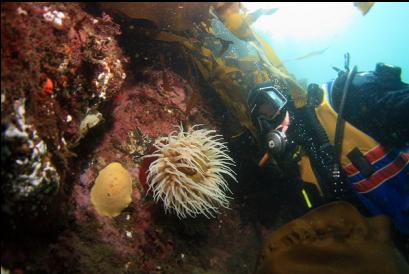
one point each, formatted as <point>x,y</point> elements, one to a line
<point>188,174</point>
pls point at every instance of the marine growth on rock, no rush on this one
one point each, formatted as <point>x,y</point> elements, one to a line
<point>27,173</point>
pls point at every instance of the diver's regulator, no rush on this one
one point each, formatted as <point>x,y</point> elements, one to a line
<point>276,141</point>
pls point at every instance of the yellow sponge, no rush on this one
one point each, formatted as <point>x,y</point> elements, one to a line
<point>112,190</point>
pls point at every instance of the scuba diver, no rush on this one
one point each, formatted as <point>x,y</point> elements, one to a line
<point>365,155</point>
<point>354,141</point>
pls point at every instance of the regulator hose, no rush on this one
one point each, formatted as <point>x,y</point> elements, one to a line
<point>315,94</point>
<point>322,154</point>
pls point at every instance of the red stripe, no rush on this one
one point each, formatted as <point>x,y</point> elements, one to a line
<point>382,175</point>
<point>351,170</point>
<point>374,155</point>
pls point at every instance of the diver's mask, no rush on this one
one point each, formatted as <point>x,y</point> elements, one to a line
<point>266,104</point>
<point>268,110</point>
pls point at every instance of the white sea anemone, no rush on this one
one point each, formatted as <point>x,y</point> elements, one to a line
<point>188,174</point>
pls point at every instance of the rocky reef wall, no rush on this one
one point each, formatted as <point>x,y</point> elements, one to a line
<point>81,89</point>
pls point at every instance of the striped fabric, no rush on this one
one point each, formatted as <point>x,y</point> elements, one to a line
<point>387,165</point>
<point>386,191</point>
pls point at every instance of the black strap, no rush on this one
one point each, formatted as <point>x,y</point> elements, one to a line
<point>359,160</point>
<point>339,129</point>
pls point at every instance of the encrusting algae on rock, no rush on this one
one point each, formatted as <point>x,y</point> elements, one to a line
<point>112,190</point>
